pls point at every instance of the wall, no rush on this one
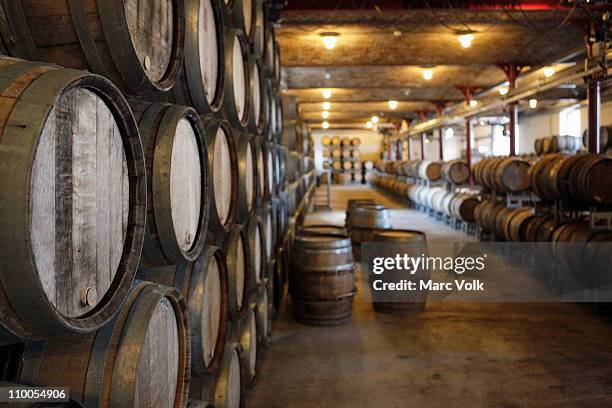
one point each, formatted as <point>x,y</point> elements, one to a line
<point>370,148</point>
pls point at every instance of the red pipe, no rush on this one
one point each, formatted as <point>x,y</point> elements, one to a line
<point>468,146</point>
<point>594,112</point>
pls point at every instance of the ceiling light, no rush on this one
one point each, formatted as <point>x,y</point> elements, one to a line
<point>533,103</point>
<point>549,71</point>
<point>482,123</point>
<point>329,39</point>
<point>427,73</point>
<point>503,90</point>
<point>327,93</point>
<point>473,103</point>
<point>466,40</point>
<point>374,119</point>
<point>326,105</point>
<point>397,33</point>
<point>426,141</point>
<point>325,114</point>
<point>393,105</point>
<point>448,133</point>
<point>325,125</point>
<point>483,149</point>
<point>369,125</point>
<point>327,75</point>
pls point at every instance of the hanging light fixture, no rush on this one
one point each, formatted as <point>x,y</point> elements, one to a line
<point>533,103</point>
<point>329,39</point>
<point>473,103</point>
<point>325,114</point>
<point>325,124</point>
<point>393,105</point>
<point>327,93</point>
<point>549,71</point>
<point>466,39</point>
<point>427,73</point>
<point>503,90</point>
<point>326,105</point>
<point>374,119</point>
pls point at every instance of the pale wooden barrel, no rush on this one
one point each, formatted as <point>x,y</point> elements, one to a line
<point>262,179</point>
<point>201,81</point>
<point>269,160</point>
<point>247,177</point>
<point>249,352</point>
<point>229,389</point>
<point>238,270</point>
<point>177,169</point>
<point>263,306</point>
<point>277,63</point>
<point>256,237</point>
<point>258,116</point>
<point>223,173</point>
<point>142,56</point>
<point>269,48</point>
<point>139,359</point>
<point>267,216</point>
<point>463,206</point>
<point>237,79</point>
<point>326,141</point>
<point>456,171</point>
<point>344,178</point>
<point>336,141</point>
<point>73,209</point>
<point>204,284</point>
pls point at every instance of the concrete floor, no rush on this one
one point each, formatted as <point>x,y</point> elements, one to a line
<point>452,355</point>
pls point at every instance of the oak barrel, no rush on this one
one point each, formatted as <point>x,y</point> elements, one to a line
<point>322,279</point>
<point>223,172</point>
<point>257,251</point>
<point>201,82</point>
<point>456,171</point>
<point>247,177</point>
<point>139,359</point>
<point>363,221</point>
<point>177,182</point>
<point>237,78</point>
<point>415,241</point>
<point>239,271</point>
<point>72,211</point>
<point>249,345</point>
<point>138,46</point>
<point>430,170</point>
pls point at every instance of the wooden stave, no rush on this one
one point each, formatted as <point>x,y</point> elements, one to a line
<point>108,367</point>
<point>156,122</point>
<point>46,321</point>
<point>100,57</point>
<point>211,126</point>
<point>231,35</point>
<point>189,89</point>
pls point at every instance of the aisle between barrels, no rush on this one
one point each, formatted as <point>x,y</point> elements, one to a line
<point>453,354</point>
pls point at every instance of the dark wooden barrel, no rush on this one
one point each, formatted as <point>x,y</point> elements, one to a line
<point>485,214</point>
<point>540,173</point>
<point>363,221</point>
<point>237,252</point>
<point>140,358</point>
<point>204,284</point>
<point>463,207</point>
<point>322,279</point>
<point>201,82</point>
<point>403,237</point>
<point>537,145</point>
<point>142,56</point>
<point>517,228</point>
<point>430,170</point>
<point>456,171</point>
<point>178,185</point>
<point>354,203</point>
<point>511,175</point>
<point>247,177</point>
<point>223,173</point>
<point>590,180</point>
<point>73,209</point>
<point>237,78</point>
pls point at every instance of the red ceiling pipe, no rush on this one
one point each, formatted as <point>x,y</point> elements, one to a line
<point>512,72</point>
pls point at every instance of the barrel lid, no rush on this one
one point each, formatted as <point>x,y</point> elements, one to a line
<point>397,235</point>
<point>322,241</point>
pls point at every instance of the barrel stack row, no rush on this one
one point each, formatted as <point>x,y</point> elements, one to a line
<point>343,157</point>
<point>148,200</point>
<point>454,172</point>
<point>557,144</point>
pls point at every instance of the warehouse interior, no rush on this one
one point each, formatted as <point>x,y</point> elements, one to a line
<point>197,192</point>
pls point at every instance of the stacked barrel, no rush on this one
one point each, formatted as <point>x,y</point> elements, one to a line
<point>343,157</point>
<point>163,163</point>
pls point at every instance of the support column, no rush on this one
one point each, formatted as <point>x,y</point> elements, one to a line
<point>422,146</point>
<point>398,149</point>
<point>512,72</point>
<point>594,112</point>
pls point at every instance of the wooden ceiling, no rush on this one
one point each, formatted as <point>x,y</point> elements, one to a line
<point>383,46</point>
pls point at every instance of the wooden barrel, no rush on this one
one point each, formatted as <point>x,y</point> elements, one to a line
<point>263,306</point>
<point>229,386</point>
<point>178,186</point>
<point>238,270</point>
<point>247,177</point>
<point>485,214</point>
<point>326,141</point>
<point>346,154</point>
<point>345,142</point>
<point>456,172</point>
<point>237,78</point>
<point>344,178</point>
<point>249,353</point>
<point>403,237</point>
<point>223,173</point>
<point>540,173</point>
<point>511,174</point>
<point>430,170</point>
<point>73,209</point>
<point>537,145</point>
<point>277,63</point>
<point>517,229</point>
<point>268,225</point>
<point>605,137</point>
<point>261,172</point>
<point>590,180</point>
<point>546,145</point>
<point>353,203</point>
<point>204,284</point>
<point>140,358</point>
<point>257,252</point>
<point>322,279</point>
<point>355,141</point>
<point>335,141</point>
<point>363,221</point>
<point>142,56</point>
<point>259,102</point>
<point>463,207</point>
<point>201,82</point>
